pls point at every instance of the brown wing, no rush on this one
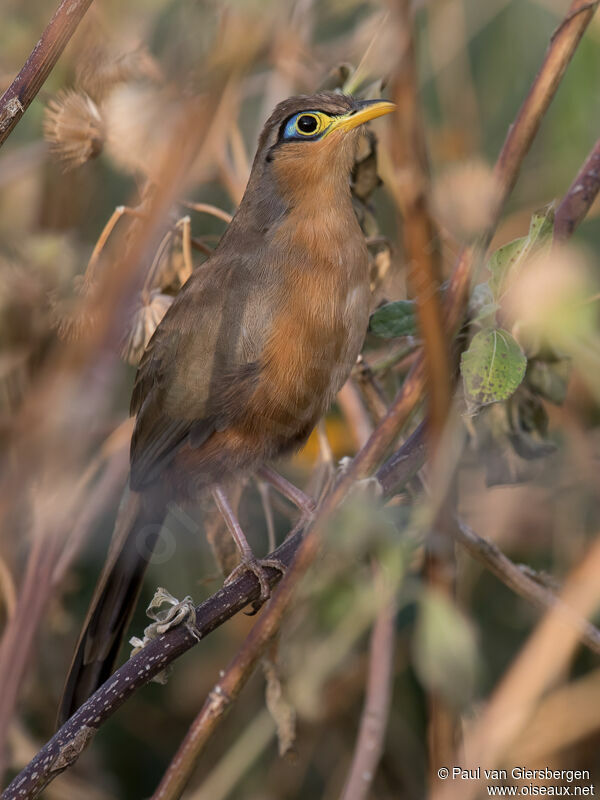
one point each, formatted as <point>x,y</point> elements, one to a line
<point>188,384</point>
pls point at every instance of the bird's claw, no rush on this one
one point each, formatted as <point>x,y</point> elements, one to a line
<point>257,567</point>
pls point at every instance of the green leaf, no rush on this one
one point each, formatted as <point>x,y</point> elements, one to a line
<point>492,368</point>
<point>511,255</point>
<point>394,319</point>
<point>445,649</point>
<point>502,261</point>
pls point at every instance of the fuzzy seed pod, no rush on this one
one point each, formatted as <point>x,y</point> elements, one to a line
<point>74,128</point>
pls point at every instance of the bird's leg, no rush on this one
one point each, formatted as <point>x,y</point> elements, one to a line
<point>249,562</point>
<point>287,489</point>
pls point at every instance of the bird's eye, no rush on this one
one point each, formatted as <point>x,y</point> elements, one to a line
<point>307,124</point>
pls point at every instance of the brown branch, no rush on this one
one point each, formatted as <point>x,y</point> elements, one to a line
<point>16,99</point>
<point>521,582</point>
<point>563,44</point>
<point>578,200</point>
<point>410,191</point>
<point>404,463</point>
<point>373,723</point>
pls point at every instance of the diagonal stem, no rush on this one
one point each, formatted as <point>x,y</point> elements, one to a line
<point>16,99</point>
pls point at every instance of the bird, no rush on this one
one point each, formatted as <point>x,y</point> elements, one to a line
<point>247,358</point>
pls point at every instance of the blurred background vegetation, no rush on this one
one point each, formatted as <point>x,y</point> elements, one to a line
<point>476,61</point>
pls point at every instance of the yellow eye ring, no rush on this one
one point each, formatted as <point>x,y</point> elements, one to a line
<point>309,124</point>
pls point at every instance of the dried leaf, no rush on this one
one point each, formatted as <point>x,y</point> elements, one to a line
<point>143,324</point>
<point>282,711</point>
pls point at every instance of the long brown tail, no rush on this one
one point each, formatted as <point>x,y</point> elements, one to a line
<point>136,531</point>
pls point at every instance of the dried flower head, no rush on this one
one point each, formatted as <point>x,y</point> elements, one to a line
<point>548,301</point>
<point>145,321</point>
<point>140,121</point>
<point>465,198</point>
<point>74,128</point>
<point>73,315</point>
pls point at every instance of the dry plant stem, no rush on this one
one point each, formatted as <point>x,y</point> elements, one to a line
<point>411,174</point>
<point>521,582</point>
<point>540,663</point>
<point>186,246</point>
<point>217,704</point>
<point>353,410</point>
<point>371,390</point>
<point>47,562</point>
<point>16,99</point>
<point>578,200</point>
<point>404,463</point>
<point>8,592</point>
<point>411,180</point>
<point>18,638</point>
<point>207,208</point>
<point>563,43</point>
<point>105,235</point>
<point>373,723</point>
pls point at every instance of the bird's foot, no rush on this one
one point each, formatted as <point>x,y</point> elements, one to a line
<point>257,567</point>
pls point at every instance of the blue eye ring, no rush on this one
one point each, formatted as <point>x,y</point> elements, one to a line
<point>306,125</point>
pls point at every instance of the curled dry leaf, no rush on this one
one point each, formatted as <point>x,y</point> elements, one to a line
<point>74,128</point>
<point>144,323</point>
<point>283,713</point>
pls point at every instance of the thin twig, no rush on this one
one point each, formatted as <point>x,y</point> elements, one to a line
<point>371,390</point>
<point>521,582</point>
<point>373,723</point>
<point>16,99</point>
<point>207,208</point>
<point>48,560</point>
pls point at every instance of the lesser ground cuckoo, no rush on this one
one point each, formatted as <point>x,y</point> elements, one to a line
<point>249,355</point>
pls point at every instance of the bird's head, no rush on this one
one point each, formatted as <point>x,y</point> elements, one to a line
<point>308,146</point>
